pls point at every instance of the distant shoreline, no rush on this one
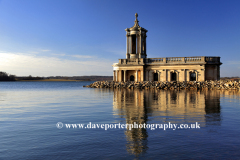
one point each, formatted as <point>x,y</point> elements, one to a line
<point>50,80</point>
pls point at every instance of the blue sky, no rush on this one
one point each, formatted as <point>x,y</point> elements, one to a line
<point>85,37</point>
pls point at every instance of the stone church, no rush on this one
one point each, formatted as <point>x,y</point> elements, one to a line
<point>137,67</point>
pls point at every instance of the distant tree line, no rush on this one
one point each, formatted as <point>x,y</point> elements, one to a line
<point>230,78</point>
<point>84,78</point>
<point>7,77</point>
<point>29,78</point>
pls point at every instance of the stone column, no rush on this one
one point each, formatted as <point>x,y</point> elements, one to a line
<point>114,78</point>
<point>151,78</point>
<point>127,48</point>
<point>140,43</point>
<point>137,44</point>
<point>164,75</point>
<point>145,46</point>
<point>130,44</point>
<point>116,75</point>
<point>169,75</point>
<point>136,78</point>
<point>196,75</point>
<point>120,76</point>
<point>202,76</point>
<point>124,78</point>
<point>184,75</point>
<point>188,76</point>
<point>159,76</point>
<point>142,75</point>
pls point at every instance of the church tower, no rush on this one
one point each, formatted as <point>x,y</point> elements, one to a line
<point>136,41</point>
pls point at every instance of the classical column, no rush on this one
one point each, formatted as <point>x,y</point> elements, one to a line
<point>116,75</point>
<point>142,75</point>
<point>130,44</point>
<point>188,76</point>
<point>196,75</point>
<point>164,75</point>
<point>145,46</point>
<point>120,76</point>
<point>169,75</point>
<point>127,43</point>
<point>159,75</point>
<point>184,75</point>
<point>124,78</point>
<point>127,48</point>
<point>140,43</point>
<point>137,44</point>
<point>136,78</point>
<point>114,78</point>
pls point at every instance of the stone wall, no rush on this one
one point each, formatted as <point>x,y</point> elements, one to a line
<point>206,85</point>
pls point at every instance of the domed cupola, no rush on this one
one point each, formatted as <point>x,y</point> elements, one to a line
<point>136,41</point>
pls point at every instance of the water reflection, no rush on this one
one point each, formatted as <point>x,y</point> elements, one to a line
<point>160,106</point>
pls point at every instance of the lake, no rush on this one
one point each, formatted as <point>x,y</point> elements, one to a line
<point>34,117</point>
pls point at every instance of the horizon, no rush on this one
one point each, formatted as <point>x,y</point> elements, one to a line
<point>82,38</point>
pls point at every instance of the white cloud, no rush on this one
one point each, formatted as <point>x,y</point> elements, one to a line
<point>54,54</point>
<point>82,56</point>
<point>22,64</point>
<point>34,52</point>
<point>45,50</point>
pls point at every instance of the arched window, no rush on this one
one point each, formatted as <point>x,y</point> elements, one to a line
<point>131,78</point>
<point>155,77</point>
<point>192,76</point>
<point>173,76</point>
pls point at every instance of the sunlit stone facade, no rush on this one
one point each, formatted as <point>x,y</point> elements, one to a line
<point>137,67</point>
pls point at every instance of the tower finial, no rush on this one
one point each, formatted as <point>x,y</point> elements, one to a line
<point>136,21</point>
<point>136,15</point>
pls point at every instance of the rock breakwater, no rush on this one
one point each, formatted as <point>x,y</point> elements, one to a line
<point>206,85</point>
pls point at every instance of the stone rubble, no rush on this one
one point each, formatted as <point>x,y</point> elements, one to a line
<point>207,85</point>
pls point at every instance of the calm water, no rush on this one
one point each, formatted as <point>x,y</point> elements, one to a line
<point>29,112</point>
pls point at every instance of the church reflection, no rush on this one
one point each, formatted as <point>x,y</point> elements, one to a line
<point>160,106</point>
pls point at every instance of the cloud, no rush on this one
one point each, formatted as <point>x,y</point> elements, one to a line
<point>45,50</point>
<point>34,52</point>
<point>22,64</point>
<point>82,56</point>
<point>54,54</point>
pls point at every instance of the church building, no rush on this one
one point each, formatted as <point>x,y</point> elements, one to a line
<point>137,67</point>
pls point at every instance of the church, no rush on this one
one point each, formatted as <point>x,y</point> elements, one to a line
<point>137,67</point>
